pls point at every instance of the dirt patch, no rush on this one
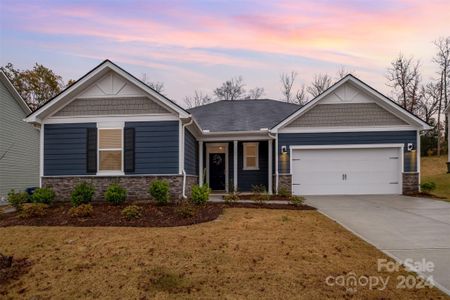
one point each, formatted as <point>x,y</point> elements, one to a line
<point>109,215</point>
<point>11,269</point>
<point>271,206</point>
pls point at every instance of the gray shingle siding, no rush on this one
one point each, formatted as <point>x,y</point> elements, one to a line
<point>346,114</point>
<point>111,106</point>
<point>190,153</point>
<point>19,168</point>
<point>343,138</point>
<point>156,147</point>
<point>65,149</point>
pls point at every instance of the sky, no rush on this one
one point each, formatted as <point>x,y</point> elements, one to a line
<point>197,45</point>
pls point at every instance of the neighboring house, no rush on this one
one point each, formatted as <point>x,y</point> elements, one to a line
<point>19,142</point>
<point>448,140</point>
<point>111,127</point>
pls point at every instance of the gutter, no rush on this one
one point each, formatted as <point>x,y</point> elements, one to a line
<point>184,171</point>
<point>276,160</point>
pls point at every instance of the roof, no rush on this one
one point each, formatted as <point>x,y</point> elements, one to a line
<point>12,90</point>
<point>99,71</point>
<point>242,115</point>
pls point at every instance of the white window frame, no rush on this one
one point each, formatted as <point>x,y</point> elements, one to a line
<point>248,168</point>
<point>110,172</point>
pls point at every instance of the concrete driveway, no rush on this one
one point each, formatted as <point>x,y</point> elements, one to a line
<point>402,227</point>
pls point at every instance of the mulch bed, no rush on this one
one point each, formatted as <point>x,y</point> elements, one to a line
<point>12,269</point>
<point>425,195</point>
<point>109,215</point>
<point>271,206</point>
<point>272,197</point>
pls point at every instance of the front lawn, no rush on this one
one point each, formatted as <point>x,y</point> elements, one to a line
<point>245,253</point>
<point>434,169</point>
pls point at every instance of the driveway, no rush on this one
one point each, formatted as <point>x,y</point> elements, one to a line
<point>402,227</point>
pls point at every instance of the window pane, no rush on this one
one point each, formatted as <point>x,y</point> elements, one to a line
<point>251,162</point>
<point>110,138</point>
<point>251,150</point>
<point>110,160</point>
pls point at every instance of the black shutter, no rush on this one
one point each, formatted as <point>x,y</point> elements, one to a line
<point>129,140</point>
<point>91,142</point>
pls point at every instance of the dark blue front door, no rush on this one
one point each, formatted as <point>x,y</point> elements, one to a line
<point>217,171</point>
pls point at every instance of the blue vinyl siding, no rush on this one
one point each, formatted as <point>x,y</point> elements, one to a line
<point>248,178</point>
<point>156,147</point>
<point>65,148</point>
<point>190,153</point>
<point>342,138</point>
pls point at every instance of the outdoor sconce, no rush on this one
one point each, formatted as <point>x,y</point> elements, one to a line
<point>410,147</point>
<point>283,149</point>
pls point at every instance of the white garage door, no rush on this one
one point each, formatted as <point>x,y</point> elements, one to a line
<point>346,171</point>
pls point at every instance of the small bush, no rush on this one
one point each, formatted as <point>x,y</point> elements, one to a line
<point>43,195</point>
<point>296,200</point>
<point>428,186</point>
<point>186,210</point>
<point>261,198</point>
<point>159,190</point>
<point>81,211</point>
<point>258,189</point>
<point>132,212</point>
<point>200,194</point>
<point>115,194</point>
<point>17,199</point>
<point>32,210</point>
<point>231,198</point>
<point>82,193</point>
<point>284,192</point>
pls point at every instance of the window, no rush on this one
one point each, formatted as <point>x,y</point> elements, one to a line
<point>251,156</point>
<point>110,150</point>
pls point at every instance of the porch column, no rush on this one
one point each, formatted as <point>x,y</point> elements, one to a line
<point>235,165</point>
<point>269,168</point>
<point>200,163</point>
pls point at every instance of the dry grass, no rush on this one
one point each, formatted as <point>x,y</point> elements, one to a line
<point>246,253</point>
<point>434,169</point>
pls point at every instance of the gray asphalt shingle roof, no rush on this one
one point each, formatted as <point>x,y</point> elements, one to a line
<point>242,115</point>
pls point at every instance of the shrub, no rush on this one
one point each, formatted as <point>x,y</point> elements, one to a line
<point>262,197</point>
<point>428,186</point>
<point>17,199</point>
<point>231,198</point>
<point>43,195</point>
<point>159,190</point>
<point>115,194</point>
<point>258,189</point>
<point>132,212</point>
<point>186,210</point>
<point>81,211</point>
<point>296,200</point>
<point>32,210</point>
<point>82,193</point>
<point>200,194</point>
<point>284,192</point>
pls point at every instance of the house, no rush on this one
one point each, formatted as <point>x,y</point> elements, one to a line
<point>19,142</point>
<point>111,127</point>
<point>447,111</point>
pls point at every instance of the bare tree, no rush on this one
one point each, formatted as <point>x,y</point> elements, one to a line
<point>442,59</point>
<point>342,72</point>
<point>429,101</point>
<point>287,82</point>
<point>404,77</point>
<point>156,85</point>
<point>198,99</point>
<point>320,83</point>
<point>301,97</point>
<point>255,93</point>
<point>232,89</point>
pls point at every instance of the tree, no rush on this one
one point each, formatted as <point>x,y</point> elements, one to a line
<point>37,85</point>
<point>155,85</point>
<point>232,89</point>
<point>287,82</point>
<point>342,72</point>
<point>255,93</point>
<point>301,97</point>
<point>404,77</point>
<point>198,99</point>
<point>320,83</point>
<point>429,101</point>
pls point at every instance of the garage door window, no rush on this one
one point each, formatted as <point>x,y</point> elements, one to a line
<point>251,156</point>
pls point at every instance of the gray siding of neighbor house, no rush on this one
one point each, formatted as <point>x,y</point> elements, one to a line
<point>156,147</point>
<point>111,106</point>
<point>65,149</point>
<point>347,114</point>
<point>190,153</point>
<point>249,178</point>
<point>342,138</point>
<point>19,168</point>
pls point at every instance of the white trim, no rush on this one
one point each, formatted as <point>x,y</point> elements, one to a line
<point>14,93</point>
<point>200,163</point>
<point>344,146</point>
<point>344,129</point>
<point>235,138</point>
<point>41,155</point>
<point>118,118</point>
<point>225,149</point>
<point>418,155</point>
<point>235,165</point>
<point>244,164</point>
<point>117,175</point>
<point>270,171</point>
<point>276,164</point>
<point>180,147</point>
<point>392,107</point>
<point>110,126</point>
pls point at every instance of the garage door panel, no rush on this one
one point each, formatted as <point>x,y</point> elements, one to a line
<point>367,171</point>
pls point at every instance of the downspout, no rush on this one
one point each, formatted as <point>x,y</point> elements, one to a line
<point>184,171</point>
<point>276,160</point>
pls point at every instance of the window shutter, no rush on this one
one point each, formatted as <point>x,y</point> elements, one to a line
<point>129,141</point>
<point>91,163</point>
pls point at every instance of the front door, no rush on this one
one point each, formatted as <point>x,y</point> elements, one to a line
<point>217,171</point>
